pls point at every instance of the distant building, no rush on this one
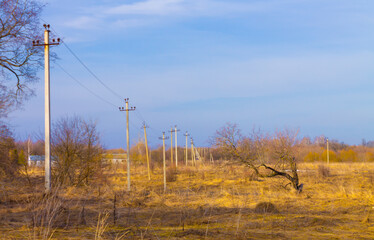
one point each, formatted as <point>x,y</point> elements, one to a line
<point>36,160</point>
<point>115,157</point>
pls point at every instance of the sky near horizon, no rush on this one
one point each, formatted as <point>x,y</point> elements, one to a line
<point>197,64</point>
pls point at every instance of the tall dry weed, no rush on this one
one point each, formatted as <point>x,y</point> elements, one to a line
<point>101,226</point>
<point>45,211</point>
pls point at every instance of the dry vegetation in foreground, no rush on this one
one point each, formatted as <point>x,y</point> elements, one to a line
<point>208,202</point>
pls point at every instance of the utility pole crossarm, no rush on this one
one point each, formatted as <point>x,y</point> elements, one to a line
<point>122,109</point>
<point>37,43</point>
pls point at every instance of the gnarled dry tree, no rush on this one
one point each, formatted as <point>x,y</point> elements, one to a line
<point>273,153</point>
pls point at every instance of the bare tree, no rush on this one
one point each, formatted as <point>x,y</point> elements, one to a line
<point>19,60</point>
<point>76,151</point>
<point>283,155</point>
<point>8,162</point>
<point>275,154</point>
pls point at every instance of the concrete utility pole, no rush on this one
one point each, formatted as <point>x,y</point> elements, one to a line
<point>47,108</point>
<point>146,149</point>
<point>127,110</point>
<point>328,153</point>
<point>28,151</point>
<point>176,146</point>
<point>164,161</point>
<point>171,146</point>
<point>186,135</point>
<point>193,154</point>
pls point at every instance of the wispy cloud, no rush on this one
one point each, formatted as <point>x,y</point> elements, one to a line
<point>136,13</point>
<point>189,7</point>
<point>84,22</point>
<point>149,7</point>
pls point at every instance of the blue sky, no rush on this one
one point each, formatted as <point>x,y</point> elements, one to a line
<point>301,64</point>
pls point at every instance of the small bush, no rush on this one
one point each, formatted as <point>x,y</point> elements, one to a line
<point>266,207</point>
<point>189,171</point>
<point>250,175</point>
<point>324,171</point>
<point>171,174</point>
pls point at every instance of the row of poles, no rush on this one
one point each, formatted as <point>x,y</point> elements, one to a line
<point>126,109</point>
<point>163,138</point>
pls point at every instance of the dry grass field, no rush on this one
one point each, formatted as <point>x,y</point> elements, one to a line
<point>209,202</point>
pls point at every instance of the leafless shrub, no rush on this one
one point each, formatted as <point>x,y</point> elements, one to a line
<point>324,171</point>
<point>171,174</point>
<point>45,212</point>
<point>250,175</point>
<point>8,158</point>
<point>265,207</point>
<point>189,171</point>
<point>76,150</point>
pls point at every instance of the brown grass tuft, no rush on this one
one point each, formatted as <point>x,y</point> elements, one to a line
<point>265,207</point>
<point>324,171</point>
<point>171,174</point>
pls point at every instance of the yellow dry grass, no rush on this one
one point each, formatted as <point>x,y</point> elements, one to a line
<point>208,202</point>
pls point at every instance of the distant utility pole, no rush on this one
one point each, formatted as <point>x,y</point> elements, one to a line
<point>211,159</point>
<point>164,164</point>
<point>328,153</point>
<point>28,151</point>
<point>193,154</point>
<point>47,108</point>
<point>127,110</point>
<point>186,135</point>
<point>176,146</point>
<point>146,149</point>
<point>171,146</point>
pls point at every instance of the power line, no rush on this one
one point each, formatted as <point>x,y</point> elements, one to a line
<point>138,114</point>
<point>81,84</point>
<point>92,73</point>
<point>85,66</point>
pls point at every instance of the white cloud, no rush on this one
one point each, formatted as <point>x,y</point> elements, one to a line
<point>84,22</point>
<point>137,13</point>
<point>149,7</point>
<point>90,14</point>
<point>187,7</point>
